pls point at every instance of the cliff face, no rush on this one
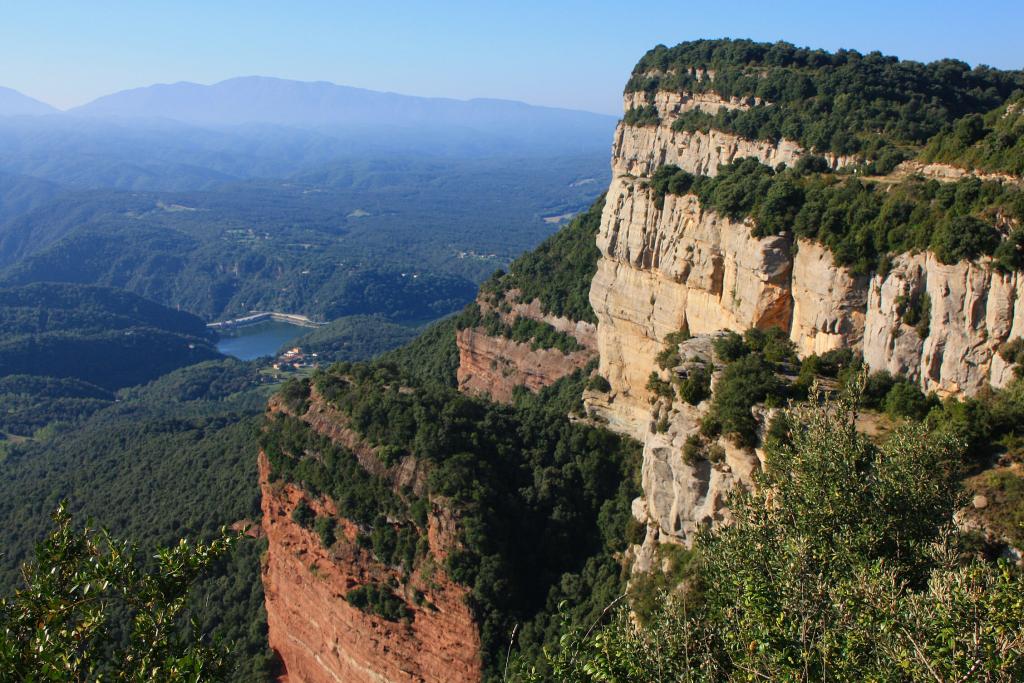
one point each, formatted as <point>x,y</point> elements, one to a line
<point>493,366</point>
<point>681,267</point>
<point>318,634</point>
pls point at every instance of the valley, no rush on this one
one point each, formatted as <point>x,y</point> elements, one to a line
<point>476,403</point>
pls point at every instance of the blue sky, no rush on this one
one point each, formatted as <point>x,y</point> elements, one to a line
<point>564,53</point>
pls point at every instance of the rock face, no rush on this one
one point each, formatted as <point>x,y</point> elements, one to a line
<point>974,309</point>
<point>681,267</point>
<point>494,366</point>
<point>639,150</point>
<point>321,638</point>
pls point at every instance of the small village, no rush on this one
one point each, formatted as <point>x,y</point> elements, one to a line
<point>294,360</point>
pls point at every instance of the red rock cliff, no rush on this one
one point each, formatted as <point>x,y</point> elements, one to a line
<point>494,366</point>
<point>319,636</point>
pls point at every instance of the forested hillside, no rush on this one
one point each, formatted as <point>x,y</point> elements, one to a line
<point>65,349</point>
<point>322,243</point>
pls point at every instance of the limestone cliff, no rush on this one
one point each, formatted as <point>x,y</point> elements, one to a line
<point>321,637</point>
<point>679,266</point>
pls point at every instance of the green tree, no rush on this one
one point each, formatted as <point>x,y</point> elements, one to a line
<point>59,626</point>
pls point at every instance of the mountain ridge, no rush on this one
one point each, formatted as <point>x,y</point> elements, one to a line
<point>14,103</point>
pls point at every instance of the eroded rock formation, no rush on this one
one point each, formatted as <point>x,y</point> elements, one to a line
<point>493,366</point>
<point>318,635</point>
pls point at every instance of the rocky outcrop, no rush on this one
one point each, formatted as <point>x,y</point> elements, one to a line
<point>493,366</point>
<point>829,303</point>
<point>677,266</point>
<point>318,635</point>
<point>682,494</point>
<point>669,269</point>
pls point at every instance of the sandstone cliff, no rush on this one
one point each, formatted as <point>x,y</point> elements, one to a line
<point>493,365</point>
<point>321,637</point>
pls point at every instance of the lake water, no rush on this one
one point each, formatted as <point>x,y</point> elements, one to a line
<point>262,339</point>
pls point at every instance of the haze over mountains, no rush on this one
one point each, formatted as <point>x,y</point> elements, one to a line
<point>260,99</point>
<point>266,127</point>
<point>208,185</point>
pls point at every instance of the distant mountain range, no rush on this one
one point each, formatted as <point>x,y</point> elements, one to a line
<point>257,99</point>
<point>13,103</point>
<point>186,135</point>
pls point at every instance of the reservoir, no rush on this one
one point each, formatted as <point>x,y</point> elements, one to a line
<point>262,339</point>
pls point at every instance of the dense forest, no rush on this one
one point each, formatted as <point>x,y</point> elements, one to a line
<point>171,458</point>
<point>844,103</point>
<point>65,349</point>
<point>558,272</point>
<point>543,501</point>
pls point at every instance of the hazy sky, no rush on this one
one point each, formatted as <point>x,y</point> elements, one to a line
<point>565,53</point>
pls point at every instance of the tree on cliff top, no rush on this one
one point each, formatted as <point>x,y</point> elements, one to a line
<point>61,625</point>
<point>841,564</point>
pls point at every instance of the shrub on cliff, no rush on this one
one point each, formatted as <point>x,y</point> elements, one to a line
<point>744,383</point>
<point>862,222</point>
<point>559,271</point>
<point>842,564</point>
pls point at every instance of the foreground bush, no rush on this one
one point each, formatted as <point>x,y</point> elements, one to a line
<point>62,625</point>
<point>842,564</point>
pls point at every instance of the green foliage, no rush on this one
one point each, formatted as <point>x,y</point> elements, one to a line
<point>294,394</point>
<point>61,624</point>
<point>303,515</point>
<point>171,458</point>
<point>379,600</point>
<point>669,357</point>
<point>917,312</point>
<point>730,346</point>
<point>905,399</point>
<point>659,387</point>
<point>355,337</point>
<point>843,103</point>
<point>990,423</point>
<point>646,115</point>
<point>693,449</point>
<point>673,564</point>
<point>99,336</point>
<point>559,271</point>
<point>599,383</point>
<point>745,382</point>
<point>334,471</point>
<point>862,222</point>
<point>322,243</point>
<point>1013,353</point>
<point>31,402</point>
<point>964,237</point>
<point>432,357</point>
<point>993,142</point>
<point>841,564</point>
<point>772,343</point>
<point>1004,515</point>
<point>695,386</point>
<point>669,179</point>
